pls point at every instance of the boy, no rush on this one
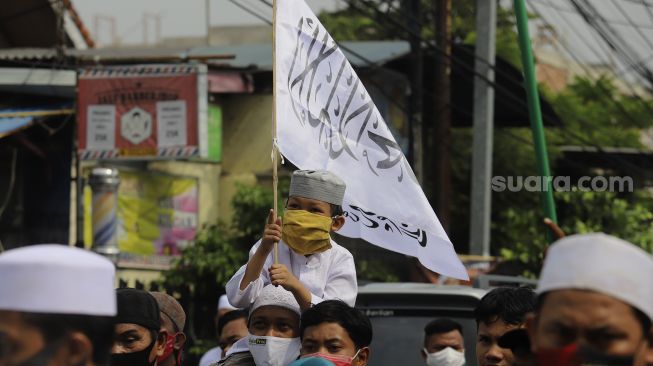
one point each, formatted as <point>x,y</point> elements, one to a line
<point>311,265</point>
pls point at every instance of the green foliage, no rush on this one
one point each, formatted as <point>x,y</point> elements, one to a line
<point>628,217</point>
<point>597,112</point>
<point>251,205</point>
<point>212,259</point>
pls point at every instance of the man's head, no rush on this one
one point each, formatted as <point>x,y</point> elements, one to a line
<point>56,306</point>
<point>335,330</point>
<point>443,343</point>
<point>223,307</point>
<point>498,312</point>
<point>232,327</point>
<point>274,327</point>
<point>595,303</point>
<point>274,313</point>
<point>173,320</point>
<point>138,339</point>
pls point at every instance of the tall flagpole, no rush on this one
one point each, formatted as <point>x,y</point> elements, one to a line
<point>530,82</point>
<point>275,151</point>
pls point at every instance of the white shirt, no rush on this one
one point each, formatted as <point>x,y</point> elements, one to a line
<point>328,275</point>
<point>211,356</point>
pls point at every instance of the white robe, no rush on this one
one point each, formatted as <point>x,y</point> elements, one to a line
<point>327,275</point>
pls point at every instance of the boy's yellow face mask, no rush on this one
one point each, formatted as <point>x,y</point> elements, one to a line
<point>305,232</point>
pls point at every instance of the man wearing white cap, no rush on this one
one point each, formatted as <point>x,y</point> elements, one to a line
<point>595,304</point>
<point>215,354</point>
<point>57,306</point>
<point>310,264</point>
<point>273,338</point>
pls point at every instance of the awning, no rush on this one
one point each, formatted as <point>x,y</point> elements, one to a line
<point>14,120</point>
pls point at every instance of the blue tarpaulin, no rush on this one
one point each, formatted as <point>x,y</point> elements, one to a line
<point>14,120</point>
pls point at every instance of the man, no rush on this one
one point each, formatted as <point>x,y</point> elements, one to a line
<point>138,339</point>
<point>273,327</point>
<point>595,304</point>
<point>334,331</point>
<point>214,354</point>
<point>173,320</point>
<point>57,306</point>
<point>443,343</point>
<point>232,327</point>
<point>499,311</point>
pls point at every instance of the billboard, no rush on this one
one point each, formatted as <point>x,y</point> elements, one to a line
<point>143,112</point>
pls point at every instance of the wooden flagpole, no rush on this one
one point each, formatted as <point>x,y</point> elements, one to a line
<point>275,151</point>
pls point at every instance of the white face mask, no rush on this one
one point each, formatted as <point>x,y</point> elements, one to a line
<point>446,357</point>
<point>273,351</point>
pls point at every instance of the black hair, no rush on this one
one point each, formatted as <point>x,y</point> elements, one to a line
<point>336,210</point>
<point>508,304</point>
<point>98,329</point>
<point>356,323</point>
<point>229,317</point>
<point>442,325</point>
<point>643,319</point>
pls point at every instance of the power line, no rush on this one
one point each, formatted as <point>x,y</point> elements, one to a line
<point>523,103</point>
<point>601,87</point>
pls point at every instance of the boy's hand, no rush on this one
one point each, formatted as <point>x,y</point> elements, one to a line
<point>281,276</point>
<point>272,232</point>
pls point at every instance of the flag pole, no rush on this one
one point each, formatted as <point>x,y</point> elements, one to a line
<point>275,151</point>
<point>535,112</point>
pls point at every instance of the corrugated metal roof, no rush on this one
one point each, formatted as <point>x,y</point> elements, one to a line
<point>257,56</point>
<point>260,55</point>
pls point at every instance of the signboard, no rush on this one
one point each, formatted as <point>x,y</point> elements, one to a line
<point>143,112</point>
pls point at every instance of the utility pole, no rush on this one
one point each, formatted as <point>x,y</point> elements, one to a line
<point>443,112</point>
<point>207,13</point>
<point>481,195</point>
<point>416,87</point>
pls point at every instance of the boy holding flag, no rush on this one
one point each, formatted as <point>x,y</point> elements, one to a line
<point>310,264</point>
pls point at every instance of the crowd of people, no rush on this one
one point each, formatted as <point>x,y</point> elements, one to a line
<point>292,304</point>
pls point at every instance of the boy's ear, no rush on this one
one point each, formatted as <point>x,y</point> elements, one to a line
<point>337,223</point>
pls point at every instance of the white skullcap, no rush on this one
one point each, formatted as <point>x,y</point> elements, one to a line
<point>223,303</point>
<point>277,296</point>
<point>321,185</point>
<point>600,263</point>
<point>53,278</point>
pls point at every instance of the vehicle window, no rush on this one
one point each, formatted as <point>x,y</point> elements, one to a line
<point>398,338</point>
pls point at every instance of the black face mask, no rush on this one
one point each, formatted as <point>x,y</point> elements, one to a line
<point>138,358</point>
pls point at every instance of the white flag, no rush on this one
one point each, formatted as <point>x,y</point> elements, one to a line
<point>327,120</point>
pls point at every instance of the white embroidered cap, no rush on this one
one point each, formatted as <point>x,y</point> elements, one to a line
<point>223,303</point>
<point>600,263</point>
<point>277,296</point>
<point>54,278</point>
<point>321,185</point>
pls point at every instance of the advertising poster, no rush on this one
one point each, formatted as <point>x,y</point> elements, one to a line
<point>157,215</point>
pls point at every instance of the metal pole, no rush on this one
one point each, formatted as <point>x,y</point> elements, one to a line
<point>207,11</point>
<point>417,153</point>
<point>104,182</point>
<point>481,195</point>
<point>535,113</point>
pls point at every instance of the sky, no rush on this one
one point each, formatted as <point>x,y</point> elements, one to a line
<point>186,18</point>
<point>179,18</point>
